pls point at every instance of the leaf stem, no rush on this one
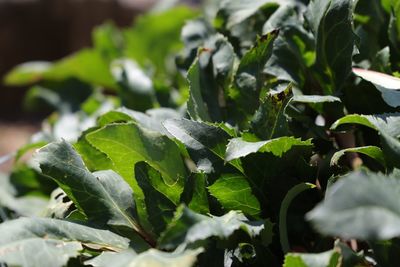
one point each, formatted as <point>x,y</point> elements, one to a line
<point>293,192</point>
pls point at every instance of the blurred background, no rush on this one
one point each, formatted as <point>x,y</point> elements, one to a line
<point>48,30</point>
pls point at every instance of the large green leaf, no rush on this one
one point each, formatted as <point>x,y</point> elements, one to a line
<point>362,206</point>
<point>150,258</point>
<point>52,229</point>
<point>104,197</point>
<point>330,258</point>
<point>249,77</point>
<point>234,193</point>
<point>195,193</point>
<point>27,73</point>
<point>127,143</point>
<point>238,147</point>
<point>331,23</point>
<point>188,227</point>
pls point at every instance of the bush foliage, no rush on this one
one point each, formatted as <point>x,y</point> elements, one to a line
<point>245,133</point>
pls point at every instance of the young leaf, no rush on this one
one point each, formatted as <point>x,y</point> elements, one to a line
<point>234,193</point>
<point>360,205</point>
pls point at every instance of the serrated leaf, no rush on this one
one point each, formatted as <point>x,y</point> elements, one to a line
<point>249,79</point>
<point>389,86</point>
<point>371,151</point>
<point>362,206</point>
<point>331,23</point>
<point>234,193</point>
<point>104,197</point>
<point>150,258</point>
<point>238,147</point>
<point>331,258</point>
<point>188,227</point>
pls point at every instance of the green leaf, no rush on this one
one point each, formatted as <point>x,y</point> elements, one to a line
<point>127,143</point>
<point>150,258</point>
<point>195,193</point>
<point>234,193</point>
<point>38,252</point>
<point>362,206</point>
<point>27,73</point>
<point>331,258</point>
<point>104,197</point>
<point>389,86</point>
<point>205,143</point>
<point>249,80</point>
<point>188,227</point>
<point>86,65</point>
<point>371,151</point>
<point>23,229</point>
<point>270,120</point>
<point>331,23</point>
<point>238,147</point>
